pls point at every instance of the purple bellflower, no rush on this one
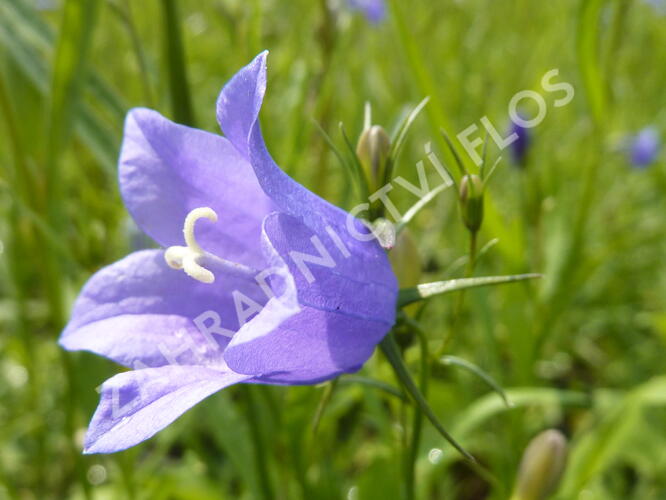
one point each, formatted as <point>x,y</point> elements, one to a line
<point>373,10</point>
<point>275,286</point>
<point>644,147</point>
<point>520,147</point>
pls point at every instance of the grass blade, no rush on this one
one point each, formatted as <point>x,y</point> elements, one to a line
<point>588,51</point>
<point>471,367</point>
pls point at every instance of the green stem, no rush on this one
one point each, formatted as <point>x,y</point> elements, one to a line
<point>471,263</point>
<point>327,41</point>
<point>323,403</point>
<point>417,417</point>
<point>260,452</point>
<point>174,55</point>
<point>457,311</point>
<point>392,353</point>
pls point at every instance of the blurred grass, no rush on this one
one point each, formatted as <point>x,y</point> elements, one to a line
<point>582,350</point>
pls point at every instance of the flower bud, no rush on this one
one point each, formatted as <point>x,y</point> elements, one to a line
<point>471,201</point>
<point>520,147</point>
<point>405,260</point>
<point>644,148</point>
<point>542,466</point>
<point>372,151</point>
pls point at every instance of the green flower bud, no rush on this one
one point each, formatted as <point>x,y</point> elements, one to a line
<point>542,466</point>
<point>372,151</point>
<point>406,260</point>
<point>471,201</point>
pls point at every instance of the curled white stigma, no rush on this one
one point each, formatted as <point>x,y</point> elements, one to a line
<point>187,257</point>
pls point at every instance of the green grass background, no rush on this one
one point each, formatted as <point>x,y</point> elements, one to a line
<point>581,350</point>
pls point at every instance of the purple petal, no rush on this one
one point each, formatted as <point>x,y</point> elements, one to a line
<point>135,405</point>
<point>353,278</point>
<point>139,312</point>
<point>240,101</point>
<point>346,305</point>
<point>520,147</point>
<point>307,348</point>
<point>237,110</point>
<point>645,147</point>
<point>374,10</point>
<point>166,170</point>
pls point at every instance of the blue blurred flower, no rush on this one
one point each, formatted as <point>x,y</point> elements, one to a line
<point>659,5</point>
<point>519,148</point>
<point>644,147</point>
<point>373,10</point>
<point>46,5</point>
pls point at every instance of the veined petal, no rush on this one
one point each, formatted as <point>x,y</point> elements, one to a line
<point>308,347</point>
<point>238,109</point>
<point>334,272</point>
<point>238,114</point>
<point>346,296</point>
<point>240,101</point>
<point>139,312</point>
<point>166,170</point>
<point>135,405</point>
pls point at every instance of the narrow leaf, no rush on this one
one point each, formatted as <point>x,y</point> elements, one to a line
<point>454,153</point>
<point>360,174</point>
<point>479,372</point>
<point>418,206</point>
<point>375,384</point>
<point>401,133</point>
<point>367,116</point>
<point>490,173</point>
<point>392,353</point>
<point>426,290</point>
<point>347,165</point>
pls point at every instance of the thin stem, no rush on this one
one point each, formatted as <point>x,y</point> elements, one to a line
<point>323,403</point>
<point>260,455</point>
<point>457,311</point>
<point>417,417</point>
<point>174,55</point>
<point>472,254</point>
<point>327,41</point>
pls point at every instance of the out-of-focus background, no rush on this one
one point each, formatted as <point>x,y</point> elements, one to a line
<point>582,350</point>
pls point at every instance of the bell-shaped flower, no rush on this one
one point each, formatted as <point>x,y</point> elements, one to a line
<point>644,147</point>
<point>258,280</point>
<point>520,146</point>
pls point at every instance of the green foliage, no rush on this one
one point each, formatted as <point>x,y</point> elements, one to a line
<point>580,350</point>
